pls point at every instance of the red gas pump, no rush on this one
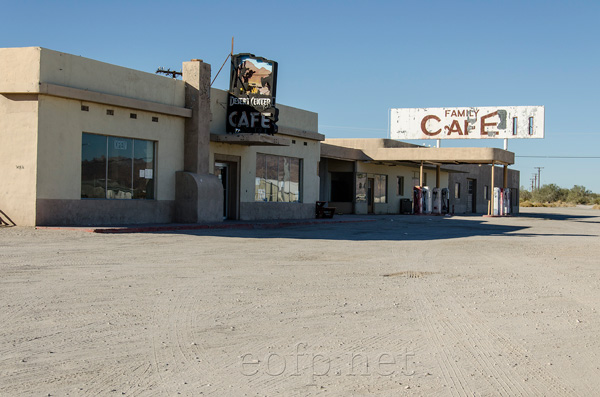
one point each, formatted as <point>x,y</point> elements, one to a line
<point>418,199</point>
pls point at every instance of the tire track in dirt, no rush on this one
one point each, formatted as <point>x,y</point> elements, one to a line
<point>452,373</point>
<point>484,351</point>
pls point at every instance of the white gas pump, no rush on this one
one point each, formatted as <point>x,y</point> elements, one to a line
<point>426,200</point>
<point>436,201</point>
<point>497,201</point>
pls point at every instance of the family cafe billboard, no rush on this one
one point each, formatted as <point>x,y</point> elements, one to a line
<point>501,122</point>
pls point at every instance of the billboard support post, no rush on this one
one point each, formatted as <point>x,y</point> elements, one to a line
<point>492,191</point>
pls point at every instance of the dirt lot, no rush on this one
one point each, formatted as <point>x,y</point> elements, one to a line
<point>400,305</point>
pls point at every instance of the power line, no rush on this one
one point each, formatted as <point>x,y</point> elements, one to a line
<point>562,157</point>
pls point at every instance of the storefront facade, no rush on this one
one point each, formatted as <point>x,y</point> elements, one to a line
<point>89,143</point>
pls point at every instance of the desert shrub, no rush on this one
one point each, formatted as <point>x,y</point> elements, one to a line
<point>579,195</point>
<point>548,194</point>
<point>524,195</point>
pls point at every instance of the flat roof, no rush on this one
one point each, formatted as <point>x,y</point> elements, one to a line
<point>394,152</point>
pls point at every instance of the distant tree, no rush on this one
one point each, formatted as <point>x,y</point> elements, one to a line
<point>549,194</point>
<point>524,194</point>
<point>579,195</point>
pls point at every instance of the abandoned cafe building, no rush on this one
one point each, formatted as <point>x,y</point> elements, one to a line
<point>84,142</point>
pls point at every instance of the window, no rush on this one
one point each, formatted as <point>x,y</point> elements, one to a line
<point>361,187</point>
<point>400,191</point>
<point>380,189</point>
<point>278,178</point>
<point>116,168</point>
<point>456,190</point>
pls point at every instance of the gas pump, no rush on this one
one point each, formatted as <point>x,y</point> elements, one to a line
<point>506,202</point>
<point>418,200</point>
<point>497,201</point>
<point>445,200</point>
<point>426,200</point>
<point>436,201</point>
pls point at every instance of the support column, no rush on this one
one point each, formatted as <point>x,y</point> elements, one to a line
<point>505,177</point>
<point>492,192</point>
<point>437,175</point>
<point>196,75</point>
<point>198,194</point>
<point>421,175</point>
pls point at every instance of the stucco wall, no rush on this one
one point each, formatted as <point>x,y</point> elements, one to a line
<point>288,116</point>
<point>306,149</point>
<point>88,74</point>
<point>20,69</point>
<point>483,176</point>
<point>18,147</point>
<point>62,123</point>
<point>393,199</point>
<point>41,136</point>
<point>310,180</point>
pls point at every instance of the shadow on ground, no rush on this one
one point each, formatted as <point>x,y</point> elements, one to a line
<point>561,217</point>
<point>396,228</point>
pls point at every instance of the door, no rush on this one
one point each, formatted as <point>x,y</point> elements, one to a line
<point>471,195</point>
<point>222,171</point>
<point>370,194</point>
<point>227,172</point>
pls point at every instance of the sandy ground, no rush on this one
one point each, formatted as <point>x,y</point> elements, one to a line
<point>402,305</point>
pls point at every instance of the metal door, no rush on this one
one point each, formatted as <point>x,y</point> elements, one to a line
<point>471,195</point>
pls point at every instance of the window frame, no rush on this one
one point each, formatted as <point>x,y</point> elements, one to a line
<point>134,178</point>
<point>280,188</point>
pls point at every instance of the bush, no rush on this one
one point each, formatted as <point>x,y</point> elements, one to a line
<point>549,194</point>
<point>553,196</point>
<point>579,195</point>
<point>524,195</point>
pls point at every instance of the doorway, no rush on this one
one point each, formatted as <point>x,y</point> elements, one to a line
<point>227,172</point>
<point>471,195</point>
<point>370,194</point>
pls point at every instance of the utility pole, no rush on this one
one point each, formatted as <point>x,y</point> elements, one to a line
<point>533,182</point>
<point>538,176</point>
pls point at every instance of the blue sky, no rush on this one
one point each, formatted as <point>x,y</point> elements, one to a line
<point>351,61</point>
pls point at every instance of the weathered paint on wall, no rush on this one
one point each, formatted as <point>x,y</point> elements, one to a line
<point>483,177</point>
<point>289,117</point>
<point>88,74</point>
<point>62,123</point>
<point>392,206</point>
<point>18,147</point>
